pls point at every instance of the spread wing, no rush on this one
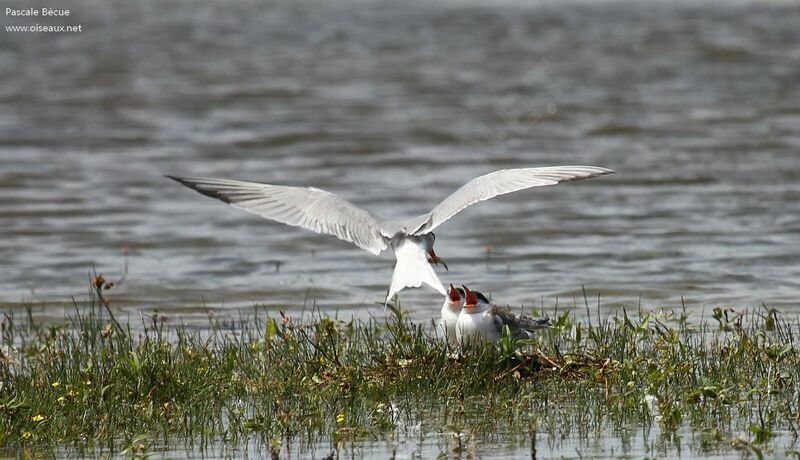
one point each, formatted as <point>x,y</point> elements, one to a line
<point>309,208</point>
<point>501,182</point>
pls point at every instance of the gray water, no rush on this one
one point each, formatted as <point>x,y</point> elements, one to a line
<point>393,105</point>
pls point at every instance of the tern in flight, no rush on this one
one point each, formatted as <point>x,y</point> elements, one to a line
<point>411,240</point>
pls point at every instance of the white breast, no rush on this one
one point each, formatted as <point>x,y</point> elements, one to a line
<point>447,325</point>
<point>476,325</point>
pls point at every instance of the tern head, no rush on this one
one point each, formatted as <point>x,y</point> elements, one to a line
<point>455,295</point>
<point>470,299</point>
<point>473,299</point>
<point>433,258</point>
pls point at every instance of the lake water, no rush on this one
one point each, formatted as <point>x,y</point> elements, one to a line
<point>393,105</point>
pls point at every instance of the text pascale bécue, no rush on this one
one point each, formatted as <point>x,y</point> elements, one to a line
<point>36,12</point>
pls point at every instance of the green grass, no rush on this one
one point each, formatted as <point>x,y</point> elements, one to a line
<point>93,385</point>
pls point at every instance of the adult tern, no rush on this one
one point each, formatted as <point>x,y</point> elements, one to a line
<point>483,320</point>
<point>411,240</point>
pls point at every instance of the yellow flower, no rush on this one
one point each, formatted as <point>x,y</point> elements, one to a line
<point>37,418</point>
<point>26,434</point>
<point>60,399</point>
<point>55,384</point>
<point>88,382</point>
<point>340,418</point>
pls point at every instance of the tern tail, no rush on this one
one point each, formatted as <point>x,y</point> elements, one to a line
<point>412,269</point>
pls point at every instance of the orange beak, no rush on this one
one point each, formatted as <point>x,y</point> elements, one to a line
<point>436,259</point>
<point>453,294</point>
<point>471,298</point>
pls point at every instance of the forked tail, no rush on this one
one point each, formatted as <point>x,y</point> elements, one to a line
<point>412,269</point>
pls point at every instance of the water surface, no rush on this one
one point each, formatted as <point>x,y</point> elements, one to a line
<point>393,106</point>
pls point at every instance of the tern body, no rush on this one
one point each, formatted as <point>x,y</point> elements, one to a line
<point>411,240</point>
<point>413,268</point>
<point>481,320</point>
<point>453,302</point>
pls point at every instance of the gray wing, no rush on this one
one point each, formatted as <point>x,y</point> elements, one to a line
<point>520,326</point>
<point>501,182</point>
<point>310,208</point>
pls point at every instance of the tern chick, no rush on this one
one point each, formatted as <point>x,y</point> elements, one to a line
<point>479,319</point>
<point>453,302</point>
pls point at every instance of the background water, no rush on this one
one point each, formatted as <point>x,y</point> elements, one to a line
<point>393,105</point>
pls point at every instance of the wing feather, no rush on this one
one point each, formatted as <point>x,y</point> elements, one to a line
<point>520,326</point>
<point>502,182</point>
<point>309,208</point>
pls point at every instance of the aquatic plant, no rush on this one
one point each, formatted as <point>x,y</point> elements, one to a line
<point>93,384</point>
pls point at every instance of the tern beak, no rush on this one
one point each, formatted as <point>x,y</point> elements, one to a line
<point>470,298</point>
<point>436,259</point>
<point>453,294</point>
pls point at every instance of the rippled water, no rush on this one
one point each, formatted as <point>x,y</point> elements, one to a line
<point>393,106</point>
<point>414,442</point>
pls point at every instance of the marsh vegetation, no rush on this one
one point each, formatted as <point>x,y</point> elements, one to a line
<point>94,385</point>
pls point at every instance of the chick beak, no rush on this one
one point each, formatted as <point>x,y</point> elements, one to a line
<point>453,294</point>
<point>471,298</point>
<point>436,259</point>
